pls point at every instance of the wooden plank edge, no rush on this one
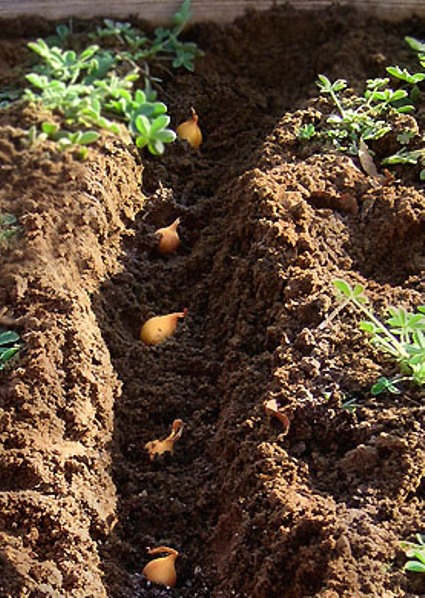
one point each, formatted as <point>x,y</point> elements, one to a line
<point>221,11</point>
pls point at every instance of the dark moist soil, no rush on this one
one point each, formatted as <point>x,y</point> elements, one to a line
<point>267,223</point>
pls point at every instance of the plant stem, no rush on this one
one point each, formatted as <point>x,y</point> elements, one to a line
<point>397,346</point>
<point>337,102</point>
<point>333,314</point>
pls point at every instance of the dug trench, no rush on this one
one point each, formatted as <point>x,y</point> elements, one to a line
<point>253,509</point>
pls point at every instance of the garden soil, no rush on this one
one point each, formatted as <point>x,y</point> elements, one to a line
<point>254,509</point>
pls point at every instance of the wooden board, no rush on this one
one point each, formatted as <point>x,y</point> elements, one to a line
<point>217,10</point>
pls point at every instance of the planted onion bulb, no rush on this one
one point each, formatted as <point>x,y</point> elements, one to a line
<point>159,328</point>
<point>168,238</point>
<point>271,408</point>
<point>162,570</point>
<point>190,131</point>
<point>159,447</point>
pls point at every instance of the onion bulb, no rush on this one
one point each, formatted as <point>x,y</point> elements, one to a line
<point>271,408</point>
<point>159,328</point>
<point>190,131</point>
<point>159,447</point>
<point>168,238</point>
<point>162,570</point>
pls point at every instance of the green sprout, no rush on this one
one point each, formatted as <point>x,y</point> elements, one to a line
<point>9,346</point>
<point>415,552</point>
<point>402,335</point>
<point>360,117</point>
<point>306,132</point>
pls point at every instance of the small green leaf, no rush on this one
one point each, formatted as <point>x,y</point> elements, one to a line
<point>8,337</point>
<point>49,128</point>
<point>143,125</point>
<point>368,327</point>
<point>415,44</point>
<point>166,136</point>
<point>7,355</point>
<point>415,566</point>
<point>384,384</point>
<point>160,122</point>
<point>343,287</point>
<point>88,137</point>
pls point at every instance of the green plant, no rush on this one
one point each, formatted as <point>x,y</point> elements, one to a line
<point>402,335</point>
<point>350,405</point>
<point>405,156</point>
<point>411,79</point>
<point>136,47</point>
<point>8,227</point>
<point>66,140</point>
<point>416,552</point>
<point>306,132</point>
<point>360,117</point>
<point>9,346</point>
<point>95,87</point>
<point>153,133</point>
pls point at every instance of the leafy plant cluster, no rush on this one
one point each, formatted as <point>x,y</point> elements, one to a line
<point>402,336</point>
<point>9,346</point>
<point>358,117</point>
<point>415,552</point>
<point>367,117</point>
<point>95,88</point>
<point>166,46</point>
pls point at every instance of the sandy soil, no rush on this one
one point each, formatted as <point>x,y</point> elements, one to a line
<point>267,223</point>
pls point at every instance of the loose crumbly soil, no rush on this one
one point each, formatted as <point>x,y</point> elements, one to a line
<point>267,223</point>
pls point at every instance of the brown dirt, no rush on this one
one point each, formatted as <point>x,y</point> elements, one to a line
<point>253,513</point>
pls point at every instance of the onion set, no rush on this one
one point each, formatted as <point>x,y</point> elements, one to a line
<point>190,131</point>
<point>271,408</point>
<point>159,328</point>
<point>162,570</point>
<point>168,238</point>
<point>159,447</point>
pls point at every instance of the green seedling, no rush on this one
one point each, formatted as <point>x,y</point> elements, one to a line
<point>350,405</point>
<point>8,227</point>
<point>402,335</point>
<point>306,132</point>
<point>415,552</point>
<point>360,117</point>
<point>153,133</point>
<point>9,346</point>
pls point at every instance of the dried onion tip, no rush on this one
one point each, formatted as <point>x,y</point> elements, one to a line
<point>159,447</point>
<point>190,131</point>
<point>168,238</point>
<point>159,328</point>
<point>162,570</point>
